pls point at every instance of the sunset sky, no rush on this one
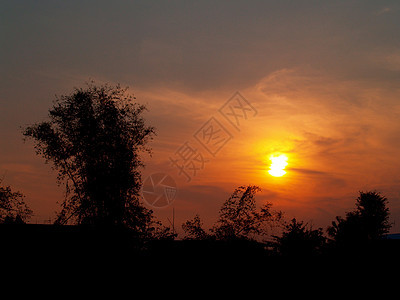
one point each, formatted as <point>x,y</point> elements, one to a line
<point>320,78</point>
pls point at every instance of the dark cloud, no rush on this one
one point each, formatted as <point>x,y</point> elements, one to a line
<point>307,171</point>
<point>321,141</point>
<point>203,45</point>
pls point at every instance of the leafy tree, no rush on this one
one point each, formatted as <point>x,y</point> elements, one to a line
<point>13,209</point>
<point>299,239</point>
<point>94,137</point>
<point>194,229</point>
<point>369,221</point>
<point>240,219</point>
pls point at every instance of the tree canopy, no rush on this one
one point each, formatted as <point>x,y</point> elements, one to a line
<point>369,221</point>
<point>94,138</point>
<point>299,239</point>
<point>13,208</point>
<point>239,217</point>
<point>194,229</point>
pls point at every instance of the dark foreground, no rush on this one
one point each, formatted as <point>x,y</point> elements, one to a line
<point>75,247</point>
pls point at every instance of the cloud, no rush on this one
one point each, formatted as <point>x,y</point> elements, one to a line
<point>384,10</point>
<point>390,61</point>
<point>321,141</point>
<point>307,171</point>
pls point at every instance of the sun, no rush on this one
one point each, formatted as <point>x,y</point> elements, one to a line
<point>278,164</point>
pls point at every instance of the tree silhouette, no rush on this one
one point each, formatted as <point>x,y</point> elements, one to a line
<point>369,221</point>
<point>299,239</point>
<point>13,209</point>
<point>194,229</point>
<point>94,138</point>
<point>239,218</point>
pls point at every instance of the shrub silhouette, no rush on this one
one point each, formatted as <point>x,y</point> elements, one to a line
<point>13,208</point>
<point>369,221</point>
<point>239,218</point>
<point>299,239</point>
<point>194,229</point>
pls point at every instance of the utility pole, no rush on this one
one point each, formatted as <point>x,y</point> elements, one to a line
<point>173,220</point>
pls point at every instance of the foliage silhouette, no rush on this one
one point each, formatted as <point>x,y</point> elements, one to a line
<point>369,221</point>
<point>194,229</point>
<point>299,239</point>
<point>13,209</point>
<point>239,218</point>
<point>94,138</point>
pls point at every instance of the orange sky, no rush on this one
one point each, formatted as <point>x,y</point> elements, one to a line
<point>335,148</point>
<point>322,77</point>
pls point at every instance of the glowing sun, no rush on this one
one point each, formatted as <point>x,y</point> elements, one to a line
<point>278,164</point>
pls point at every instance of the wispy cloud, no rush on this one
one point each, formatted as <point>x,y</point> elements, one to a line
<point>384,10</point>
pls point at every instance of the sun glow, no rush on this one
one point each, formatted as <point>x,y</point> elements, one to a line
<point>278,164</point>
